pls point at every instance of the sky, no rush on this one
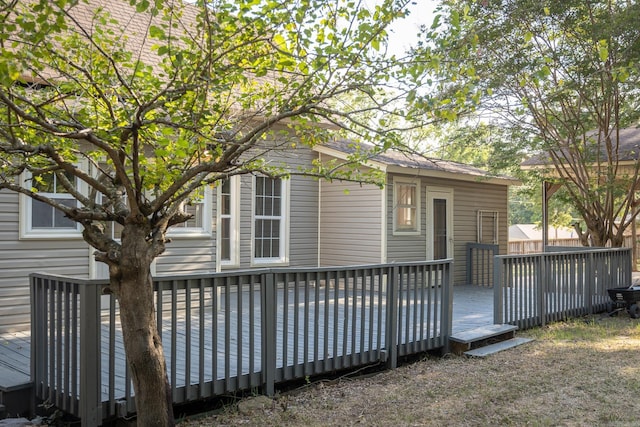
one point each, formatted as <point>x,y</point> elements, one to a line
<point>404,31</point>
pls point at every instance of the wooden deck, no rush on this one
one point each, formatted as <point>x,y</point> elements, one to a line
<point>472,307</point>
<point>15,368</point>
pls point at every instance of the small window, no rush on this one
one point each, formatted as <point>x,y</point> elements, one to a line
<point>199,225</point>
<point>406,207</point>
<point>40,220</point>
<point>269,228</point>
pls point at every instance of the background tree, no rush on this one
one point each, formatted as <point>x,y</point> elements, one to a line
<point>132,107</point>
<point>491,147</point>
<point>563,73</point>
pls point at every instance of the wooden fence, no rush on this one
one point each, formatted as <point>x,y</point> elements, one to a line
<point>535,246</point>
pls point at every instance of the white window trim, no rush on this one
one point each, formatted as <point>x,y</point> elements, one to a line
<point>404,181</point>
<point>197,232</point>
<point>234,226</point>
<point>25,209</point>
<point>283,260</point>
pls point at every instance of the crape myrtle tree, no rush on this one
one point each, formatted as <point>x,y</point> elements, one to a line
<point>564,73</point>
<point>133,107</point>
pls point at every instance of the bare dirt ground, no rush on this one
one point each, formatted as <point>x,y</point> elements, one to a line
<point>584,372</point>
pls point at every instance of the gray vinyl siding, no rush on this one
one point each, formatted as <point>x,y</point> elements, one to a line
<point>303,225</point>
<point>468,198</point>
<point>19,258</point>
<point>187,256</point>
<point>351,224</point>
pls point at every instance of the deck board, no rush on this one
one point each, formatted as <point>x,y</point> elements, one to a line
<point>472,307</point>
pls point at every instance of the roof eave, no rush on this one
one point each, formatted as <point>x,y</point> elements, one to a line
<point>419,172</point>
<point>343,156</point>
<point>453,176</point>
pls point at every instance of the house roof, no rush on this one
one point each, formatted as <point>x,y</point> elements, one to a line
<point>629,148</point>
<point>132,27</point>
<point>534,232</point>
<point>415,163</point>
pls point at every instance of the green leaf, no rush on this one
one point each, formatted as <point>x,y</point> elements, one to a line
<point>455,19</point>
<point>142,6</point>
<point>603,50</point>
<point>280,42</point>
<point>157,32</point>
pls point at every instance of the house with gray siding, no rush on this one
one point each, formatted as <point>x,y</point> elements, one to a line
<point>428,209</point>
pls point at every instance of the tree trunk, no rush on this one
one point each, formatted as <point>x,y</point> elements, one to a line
<point>634,246</point>
<point>133,285</point>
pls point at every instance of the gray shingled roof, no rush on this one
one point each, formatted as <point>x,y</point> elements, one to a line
<point>629,149</point>
<point>415,161</point>
<point>131,29</point>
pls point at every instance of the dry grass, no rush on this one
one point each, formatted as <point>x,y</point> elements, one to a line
<point>579,373</point>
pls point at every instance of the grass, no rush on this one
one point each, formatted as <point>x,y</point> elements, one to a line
<point>582,372</point>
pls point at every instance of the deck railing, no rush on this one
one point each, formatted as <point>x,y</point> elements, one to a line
<point>480,263</point>
<point>532,290</point>
<point>234,331</point>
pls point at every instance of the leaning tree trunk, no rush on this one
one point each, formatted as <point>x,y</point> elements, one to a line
<point>133,286</point>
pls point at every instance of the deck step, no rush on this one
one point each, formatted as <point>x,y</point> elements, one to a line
<point>496,347</point>
<point>482,332</point>
<point>15,392</point>
<point>461,342</point>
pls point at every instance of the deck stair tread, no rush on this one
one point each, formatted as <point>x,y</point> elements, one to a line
<point>497,347</point>
<point>482,333</point>
<point>11,380</point>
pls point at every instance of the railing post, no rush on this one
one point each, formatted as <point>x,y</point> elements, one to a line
<point>591,281</point>
<point>469,264</point>
<point>268,332</point>
<point>497,291</point>
<point>90,409</point>
<point>540,286</point>
<point>447,305</point>
<point>38,333</point>
<point>392,317</point>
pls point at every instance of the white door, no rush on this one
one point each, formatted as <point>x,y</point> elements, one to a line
<point>439,223</point>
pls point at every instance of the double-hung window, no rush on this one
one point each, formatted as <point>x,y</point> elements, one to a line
<point>228,208</point>
<point>406,207</point>
<point>269,225</point>
<point>41,220</point>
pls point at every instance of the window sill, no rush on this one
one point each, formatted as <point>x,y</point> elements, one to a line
<point>407,233</point>
<point>269,263</point>
<point>51,235</point>
<point>189,235</point>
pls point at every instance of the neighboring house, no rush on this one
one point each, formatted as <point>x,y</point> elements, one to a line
<point>534,232</point>
<point>428,209</point>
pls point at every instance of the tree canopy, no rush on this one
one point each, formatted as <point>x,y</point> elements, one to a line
<point>132,107</point>
<point>565,74</point>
